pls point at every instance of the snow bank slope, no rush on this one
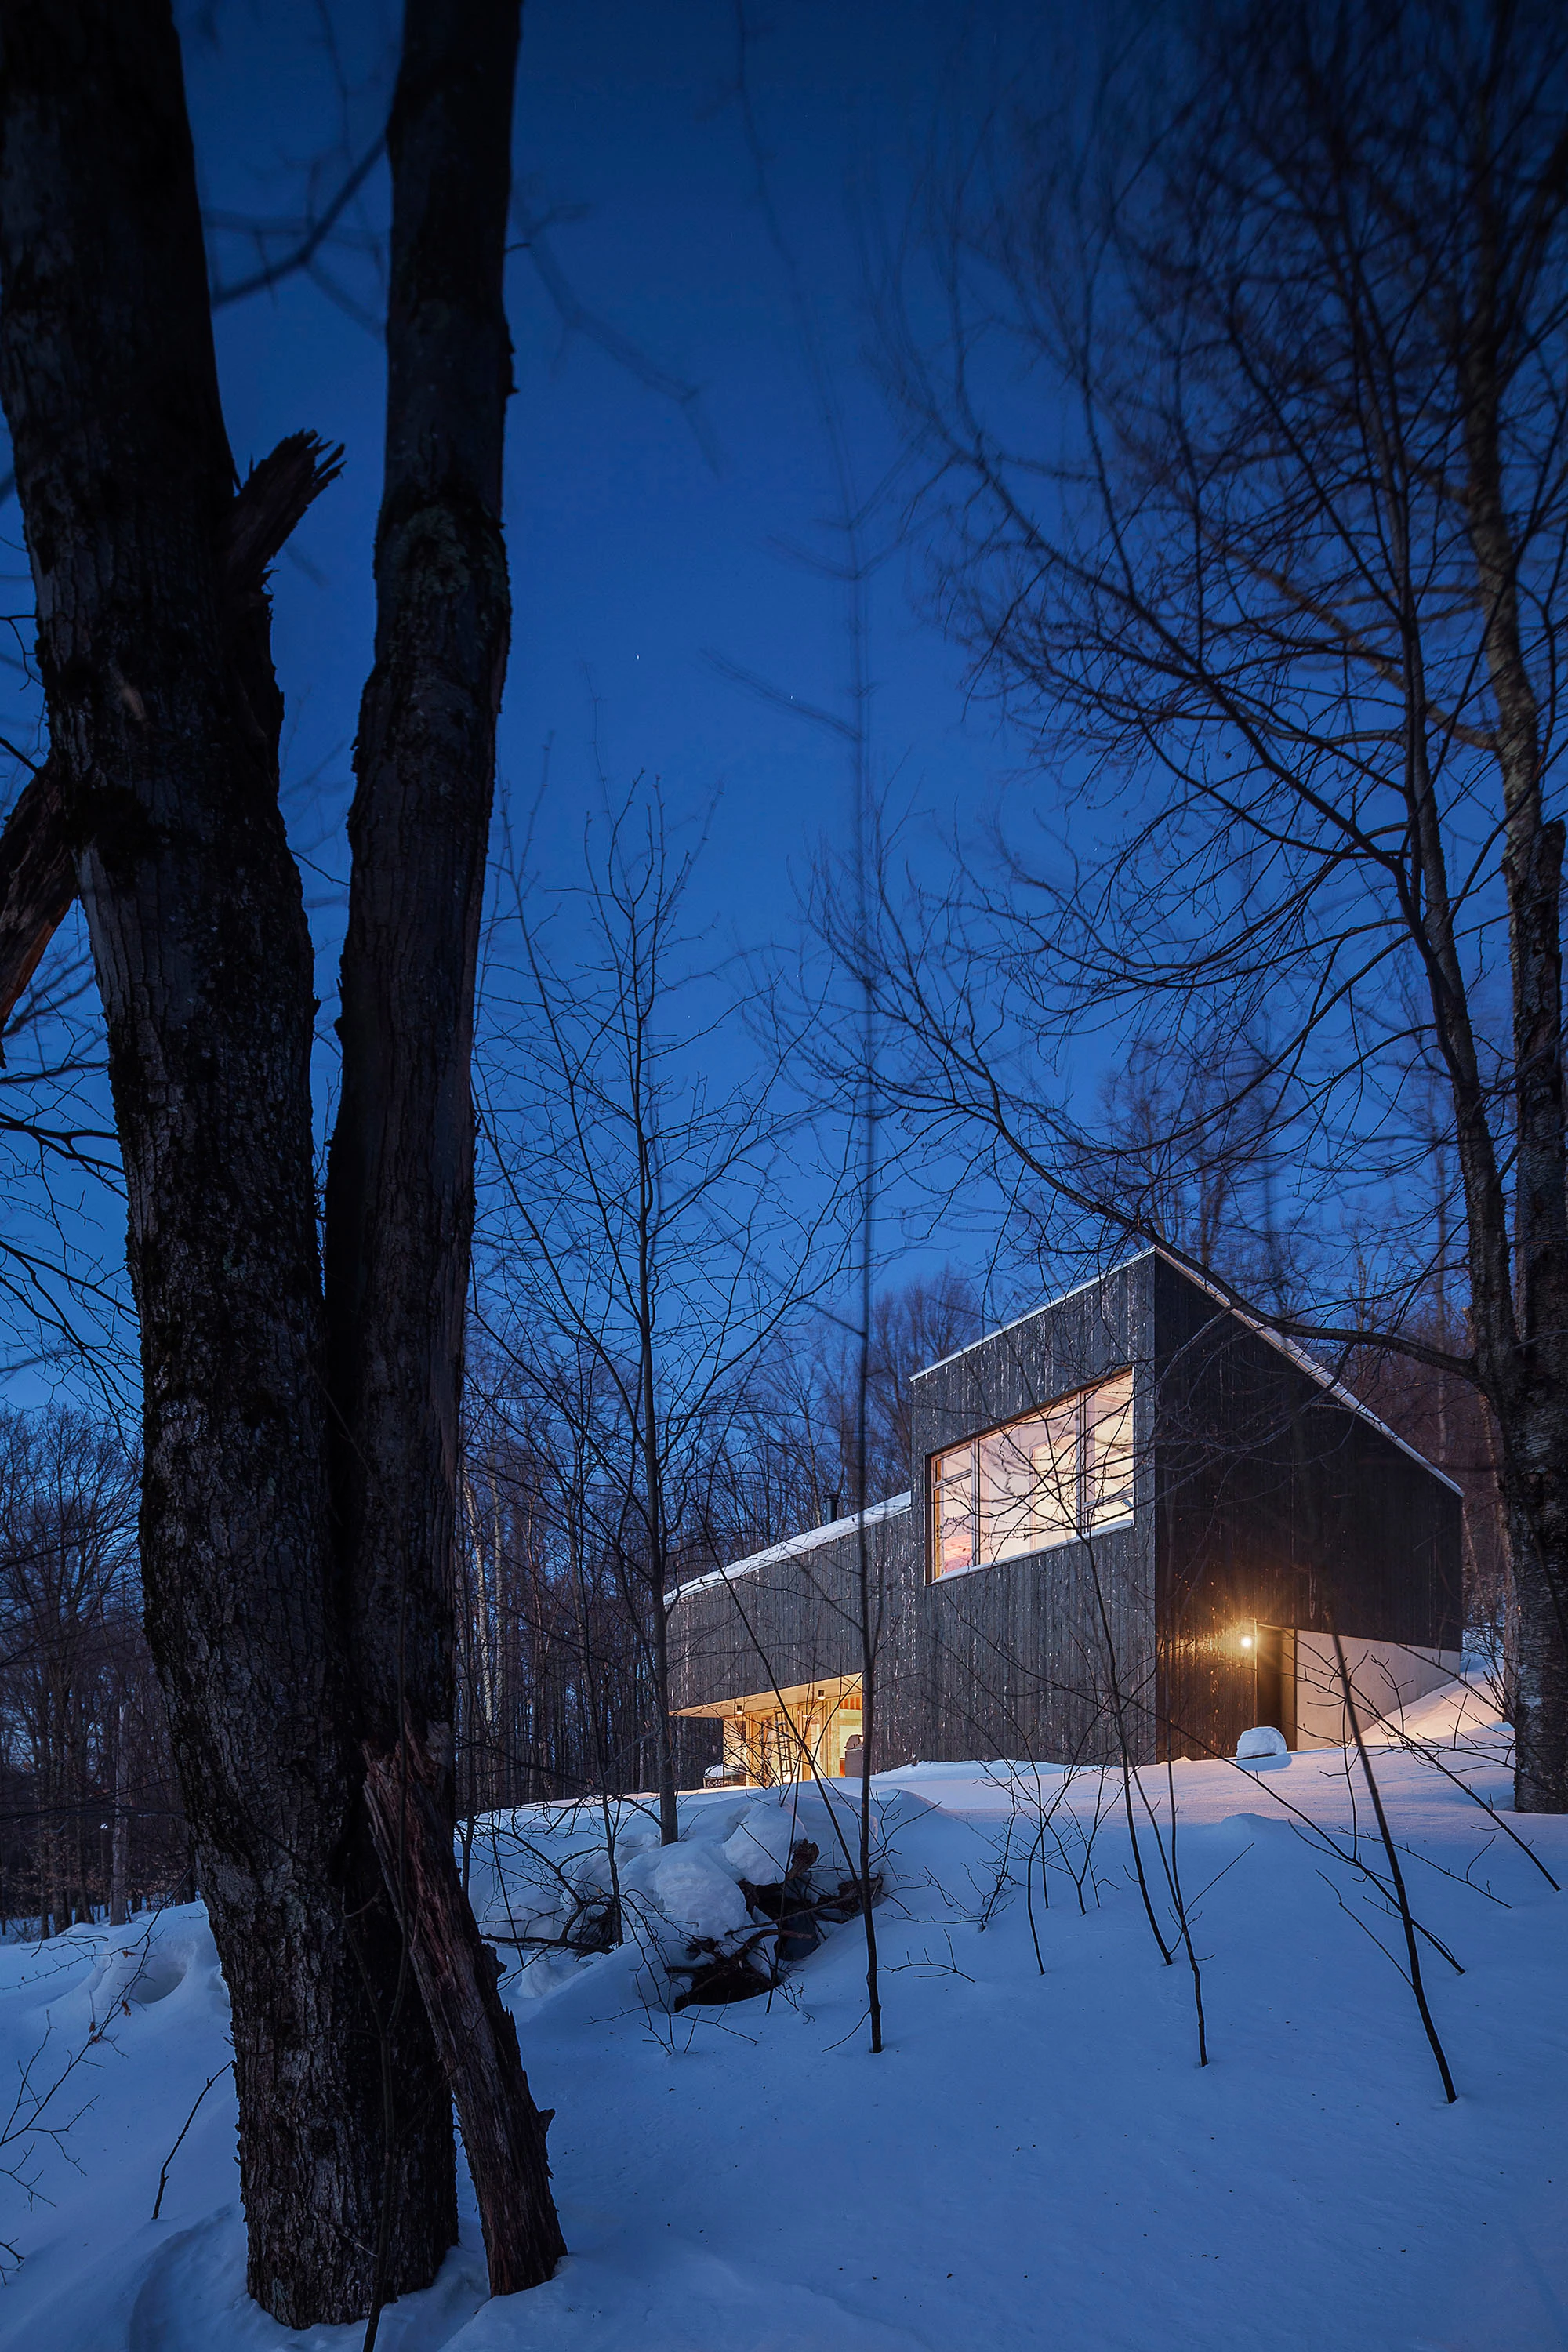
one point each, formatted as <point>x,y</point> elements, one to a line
<point>1036,2158</point>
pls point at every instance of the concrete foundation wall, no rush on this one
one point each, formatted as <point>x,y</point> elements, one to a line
<point>1386,1676</point>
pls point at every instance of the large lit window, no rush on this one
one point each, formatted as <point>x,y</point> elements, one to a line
<point>1041,1480</point>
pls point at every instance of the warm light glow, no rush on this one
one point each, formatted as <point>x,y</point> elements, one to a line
<point>1246,1640</point>
<point>1056,1472</point>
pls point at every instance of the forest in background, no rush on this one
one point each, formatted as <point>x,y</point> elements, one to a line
<point>556,1688</point>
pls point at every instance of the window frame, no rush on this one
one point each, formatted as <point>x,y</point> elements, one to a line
<point>1084,1471</point>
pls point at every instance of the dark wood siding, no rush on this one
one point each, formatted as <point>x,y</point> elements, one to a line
<point>1016,1657</point>
<point>793,1620</point>
<point>1013,1660</point>
<point>1259,1497</point>
<point>1277,1503</point>
<point>1006,1661</point>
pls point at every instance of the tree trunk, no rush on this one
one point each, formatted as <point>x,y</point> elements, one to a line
<point>152,647</point>
<point>663,1739</point>
<point>119,1848</point>
<point>1536,1489</point>
<point>1522,1321</point>
<point>503,2131</point>
<point>400,1178</point>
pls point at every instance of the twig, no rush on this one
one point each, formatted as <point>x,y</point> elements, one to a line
<point>185,2127</point>
<point>1416,1748</point>
<point>1173,1875</point>
<point>1416,1986</point>
<point>1327,1842</point>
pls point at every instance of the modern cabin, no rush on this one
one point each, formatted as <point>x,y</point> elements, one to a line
<point>1136,1520</point>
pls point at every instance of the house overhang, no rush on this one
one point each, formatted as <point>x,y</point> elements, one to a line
<point>771,1702</point>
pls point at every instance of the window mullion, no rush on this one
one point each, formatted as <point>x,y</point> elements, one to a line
<point>977,1517</point>
<point>1079,1475</point>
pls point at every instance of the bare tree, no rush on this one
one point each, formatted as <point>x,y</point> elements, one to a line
<point>1268,556</point>
<point>566,1707</point>
<point>61,1298</point>
<point>646,1230</point>
<point>89,1817</point>
<point>809,1401</point>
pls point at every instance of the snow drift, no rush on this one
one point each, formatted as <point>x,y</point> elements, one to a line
<point>1036,2157</point>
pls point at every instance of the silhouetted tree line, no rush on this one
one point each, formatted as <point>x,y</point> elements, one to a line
<point>560,1693</point>
<point>557,1692</point>
<point>90,1823</point>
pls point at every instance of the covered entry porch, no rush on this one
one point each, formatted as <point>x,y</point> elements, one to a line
<point>791,1734</point>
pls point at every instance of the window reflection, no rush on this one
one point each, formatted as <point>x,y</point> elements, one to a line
<point>1041,1480</point>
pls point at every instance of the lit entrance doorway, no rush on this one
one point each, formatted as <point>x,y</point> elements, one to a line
<point>1274,1702</point>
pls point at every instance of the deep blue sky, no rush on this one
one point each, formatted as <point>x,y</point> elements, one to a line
<point>634,558</point>
<point>637,552</point>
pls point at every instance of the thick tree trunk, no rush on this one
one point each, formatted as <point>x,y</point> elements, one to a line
<point>164,718</point>
<point>400,1180</point>
<point>1537,1652</point>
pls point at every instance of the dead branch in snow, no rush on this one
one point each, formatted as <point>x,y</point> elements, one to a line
<point>1396,1874</point>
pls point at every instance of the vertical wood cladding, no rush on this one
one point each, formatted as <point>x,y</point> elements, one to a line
<point>1006,1661</point>
<point>792,1621</point>
<point>1027,1658</point>
<point>1258,1498</point>
<point>1275,1503</point>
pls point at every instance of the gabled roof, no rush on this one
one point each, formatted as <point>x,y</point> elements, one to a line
<point>835,1528</point>
<point>1247,1315</point>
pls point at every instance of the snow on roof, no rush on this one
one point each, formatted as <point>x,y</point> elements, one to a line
<point>1028,1316</point>
<point>793,1545</point>
<point>1298,1355</point>
<point>1309,1365</point>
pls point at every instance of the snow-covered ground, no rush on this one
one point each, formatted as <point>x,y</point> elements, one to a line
<point>1036,2158</point>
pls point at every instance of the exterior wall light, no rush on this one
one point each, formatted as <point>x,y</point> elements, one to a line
<point>1246,1640</point>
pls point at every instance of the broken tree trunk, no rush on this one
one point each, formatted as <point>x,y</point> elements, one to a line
<point>503,2131</point>
<point>37,883</point>
<point>37,865</point>
<point>291,1618</point>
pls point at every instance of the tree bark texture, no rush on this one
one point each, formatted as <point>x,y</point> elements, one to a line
<point>164,716</point>
<point>37,883</point>
<point>400,1177</point>
<point>401,1172</point>
<point>503,2131</point>
<point>1522,1321</point>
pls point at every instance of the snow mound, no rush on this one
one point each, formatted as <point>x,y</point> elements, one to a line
<point>1260,1745</point>
<point>690,1886</point>
<point>145,1964</point>
<point>760,1849</point>
<point>708,1823</point>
